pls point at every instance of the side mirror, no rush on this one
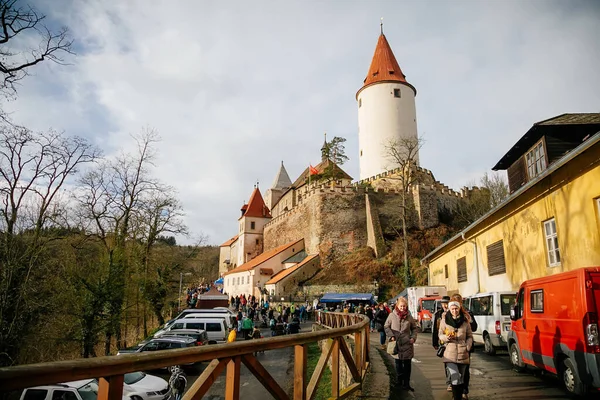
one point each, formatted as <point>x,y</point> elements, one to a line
<point>514,312</point>
<point>418,308</point>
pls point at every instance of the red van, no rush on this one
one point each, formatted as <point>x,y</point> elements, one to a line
<point>555,328</point>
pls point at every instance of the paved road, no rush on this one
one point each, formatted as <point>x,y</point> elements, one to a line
<point>491,377</point>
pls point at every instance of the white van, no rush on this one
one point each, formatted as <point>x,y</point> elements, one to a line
<point>492,313</point>
<point>230,320</point>
<point>216,328</point>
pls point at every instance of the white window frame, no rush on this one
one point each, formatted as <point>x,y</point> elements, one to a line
<point>536,160</point>
<point>551,238</point>
<point>597,200</point>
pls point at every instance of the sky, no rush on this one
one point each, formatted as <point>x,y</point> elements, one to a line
<point>234,88</point>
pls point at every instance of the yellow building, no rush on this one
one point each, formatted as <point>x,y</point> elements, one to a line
<point>549,224</point>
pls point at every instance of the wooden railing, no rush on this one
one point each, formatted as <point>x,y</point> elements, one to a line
<point>109,370</point>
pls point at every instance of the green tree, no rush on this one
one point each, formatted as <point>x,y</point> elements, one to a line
<point>335,152</point>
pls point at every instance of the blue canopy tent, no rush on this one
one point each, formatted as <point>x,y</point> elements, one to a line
<point>348,298</point>
<point>219,281</point>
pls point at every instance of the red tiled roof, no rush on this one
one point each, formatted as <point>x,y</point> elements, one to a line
<point>321,167</point>
<point>230,241</point>
<point>256,206</point>
<point>282,274</point>
<point>255,262</point>
<point>384,67</point>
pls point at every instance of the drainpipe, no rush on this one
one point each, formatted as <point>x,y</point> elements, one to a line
<point>475,259</point>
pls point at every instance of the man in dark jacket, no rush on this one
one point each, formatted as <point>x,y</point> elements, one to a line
<point>435,340</point>
<point>380,318</point>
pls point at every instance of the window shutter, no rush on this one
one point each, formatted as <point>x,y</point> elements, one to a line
<point>461,269</point>
<point>495,257</point>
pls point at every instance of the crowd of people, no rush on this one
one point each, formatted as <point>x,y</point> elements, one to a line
<point>452,332</point>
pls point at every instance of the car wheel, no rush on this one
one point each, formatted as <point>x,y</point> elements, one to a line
<point>488,348</point>
<point>515,358</point>
<point>571,379</point>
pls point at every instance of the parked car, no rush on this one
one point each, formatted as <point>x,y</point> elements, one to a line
<point>492,313</point>
<point>166,343</point>
<point>555,327</point>
<point>183,313</point>
<point>230,319</point>
<point>137,386</point>
<point>216,328</point>
<point>199,335</point>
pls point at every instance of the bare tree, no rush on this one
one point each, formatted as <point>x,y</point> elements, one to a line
<point>122,204</point>
<point>160,213</point>
<point>15,62</point>
<point>34,168</point>
<point>497,185</point>
<point>403,153</point>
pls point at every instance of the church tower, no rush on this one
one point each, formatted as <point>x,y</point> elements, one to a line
<point>386,111</point>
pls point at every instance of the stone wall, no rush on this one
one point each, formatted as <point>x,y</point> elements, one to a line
<point>331,221</point>
<point>317,291</point>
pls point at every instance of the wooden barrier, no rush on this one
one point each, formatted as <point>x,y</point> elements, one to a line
<point>223,357</point>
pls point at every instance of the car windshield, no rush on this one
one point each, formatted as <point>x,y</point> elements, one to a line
<point>89,391</point>
<point>428,305</point>
<point>133,377</point>
<point>506,302</point>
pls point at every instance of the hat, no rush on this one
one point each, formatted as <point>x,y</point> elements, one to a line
<point>445,299</point>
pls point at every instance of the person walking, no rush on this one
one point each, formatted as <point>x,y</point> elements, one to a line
<point>232,335</point>
<point>247,327</point>
<point>435,340</point>
<point>471,318</point>
<point>401,327</point>
<point>456,334</point>
<point>380,317</point>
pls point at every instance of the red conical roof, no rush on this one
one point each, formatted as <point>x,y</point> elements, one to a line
<point>384,67</point>
<point>256,206</point>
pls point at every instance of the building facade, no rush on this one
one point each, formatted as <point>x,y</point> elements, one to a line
<point>548,225</point>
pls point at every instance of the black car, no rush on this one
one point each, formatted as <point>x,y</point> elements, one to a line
<point>199,335</point>
<point>163,343</point>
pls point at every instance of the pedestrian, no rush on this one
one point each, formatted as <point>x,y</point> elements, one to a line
<point>247,326</point>
<point>456,334</point>
<point>370,315</point>
<point>232,335</point>
<point>380,318</point>
<point>435,340</point>
<point>473,323</point>
<point>401,327</point>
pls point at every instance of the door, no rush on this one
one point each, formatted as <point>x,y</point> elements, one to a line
<point>519,324</point>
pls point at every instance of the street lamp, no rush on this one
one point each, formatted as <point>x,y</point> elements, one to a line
<point>181,274</point>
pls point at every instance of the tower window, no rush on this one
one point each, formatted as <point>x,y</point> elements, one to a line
<point>252,225</point>
<point>361,153</point>
<point>397,93</point>
<point>359,103</point>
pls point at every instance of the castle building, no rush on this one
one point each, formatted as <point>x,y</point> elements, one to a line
<point>308,223</point>
<point>248,243</point>
<point>386,111</point>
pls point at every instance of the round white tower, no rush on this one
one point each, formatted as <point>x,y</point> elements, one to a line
<point>386,111</point>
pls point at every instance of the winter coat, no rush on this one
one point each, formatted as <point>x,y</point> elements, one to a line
<point>402,330</point>
<point>458,347</point>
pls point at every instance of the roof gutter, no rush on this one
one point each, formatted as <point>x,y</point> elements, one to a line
<point>475,260</point>
<point>559,164</point>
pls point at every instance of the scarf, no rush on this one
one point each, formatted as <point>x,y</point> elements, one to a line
<point>455,323</point>
<point>402,314</point>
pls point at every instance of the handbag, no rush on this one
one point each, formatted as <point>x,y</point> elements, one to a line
<point>440,351</point>
<point>391,348</point>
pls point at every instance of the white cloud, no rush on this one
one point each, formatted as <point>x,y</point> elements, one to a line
<point>234,88</point>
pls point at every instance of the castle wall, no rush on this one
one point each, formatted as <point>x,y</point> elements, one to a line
<point>331,221</point>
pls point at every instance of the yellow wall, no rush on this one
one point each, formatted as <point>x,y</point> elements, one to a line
<point>568,195</point>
